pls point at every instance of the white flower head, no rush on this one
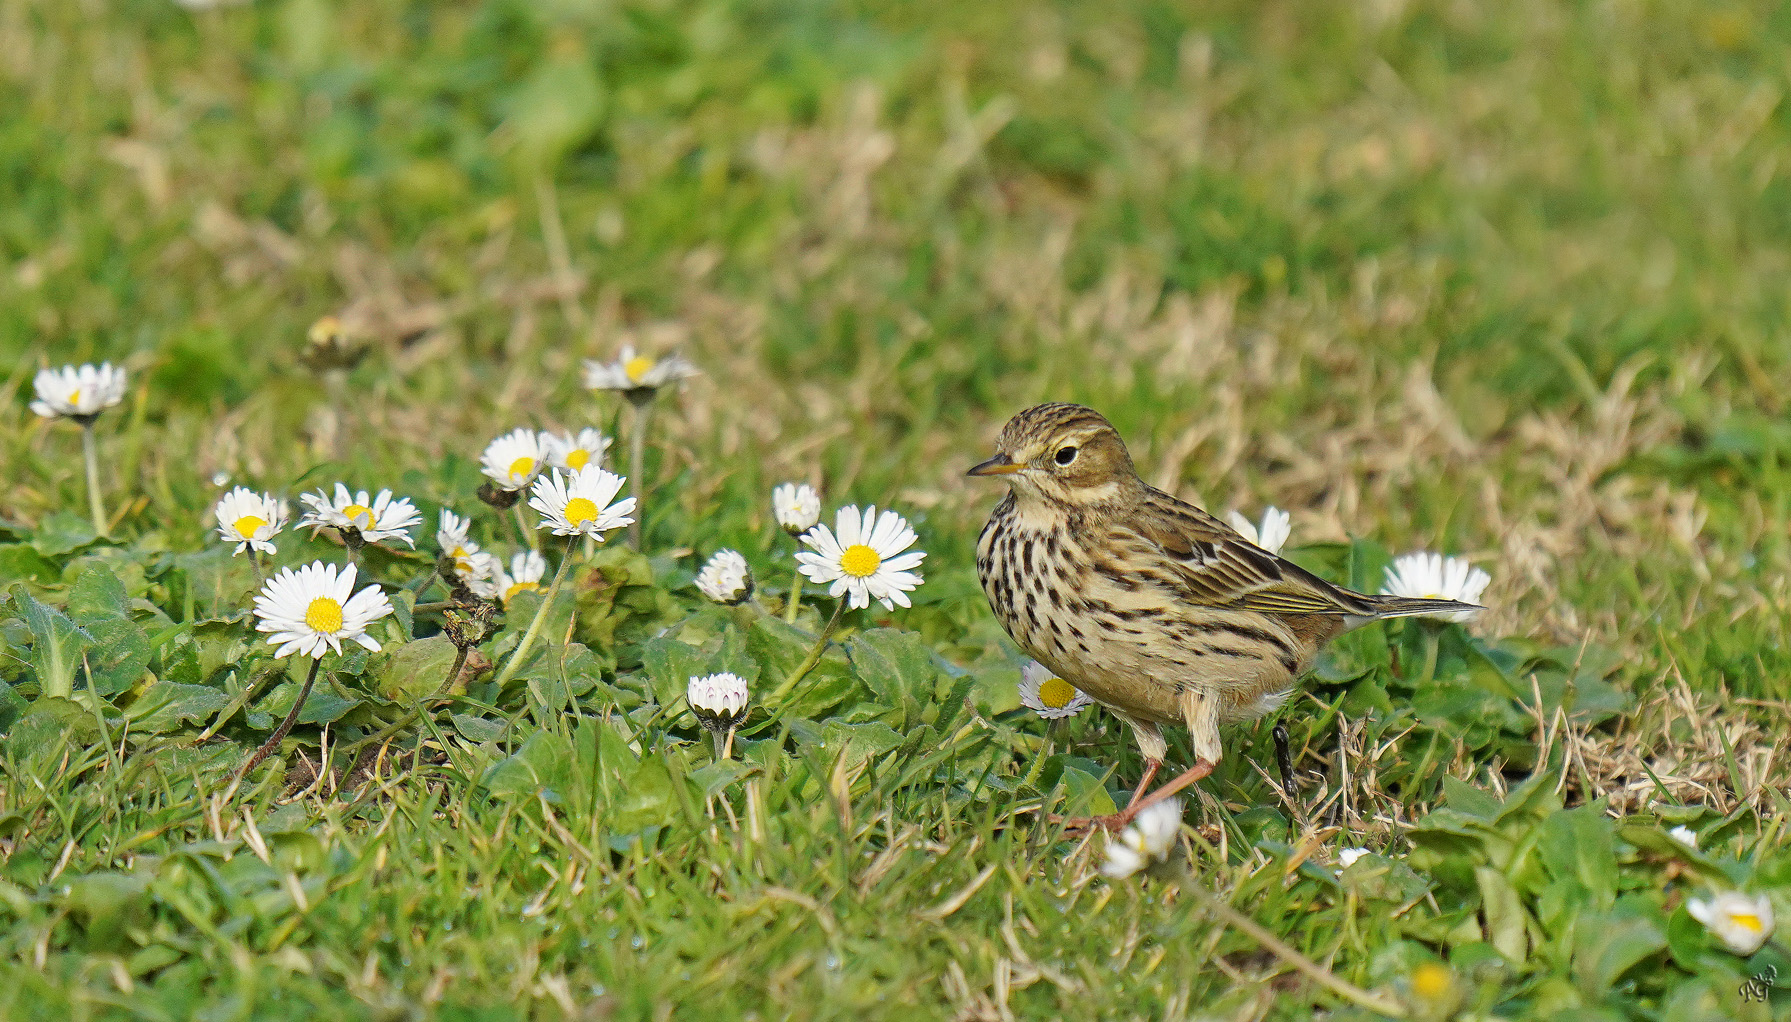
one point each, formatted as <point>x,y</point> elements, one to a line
<point>1742,922</point>
<point>314,610</point>
<point>451,536</point>
<point>525,574</point>
<point>1348,856</point>
<point>797,507</point>
<point>1685,836</point>
<point>1149,838</point>
<point>513,460</point>
<point>863,559</point>
<point>726,578</point>
<point>1271,535</point>
<point>635,372</point>
<point>564,450</point>
<point>376,519</point>
<point>580,505</point>
<point>250,519</point>
<point>79,392</point>
<point>718,700</point>
<point>482,573</point>
<point>1435,577</point>
<point>1048,695</point>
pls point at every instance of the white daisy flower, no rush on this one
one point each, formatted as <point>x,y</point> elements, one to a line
<point>586,450</point>
<point>1685,836</point>
<point>636,372</point>
<point>726,578</point>
<point>513,460</point>
<point>1435,577</point>
<point>79,392</point>
<point>311,611</point>
<point>1741,922</point>
<point>1348,856</point>
<point>1048,695</point>
<point>483,575</point>
<point>797,507</point>
<point>378,519</point>
<point>718,700</point>
<point>451,536</point>
<point>1271,535</point>
<point>525,574</point>
<point>580,505</point>
<point>862,559</point>
<point>250,519</point>
<point>1150,837</point>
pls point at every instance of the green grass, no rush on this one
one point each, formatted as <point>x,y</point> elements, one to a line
<point>1505,281</point>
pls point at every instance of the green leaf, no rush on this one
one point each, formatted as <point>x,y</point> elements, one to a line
<point>543,763</point>
<point>414,670</point>
<point>479,729</point>
<point>120,652</point>
<point>1606,945</point>
<point>51,726</point>
<point>1084,794</point>
<point>19,561</point>
<point>168,706</point>
<point>12,706</point>
<point>1464,798</point>
<point>56,646</point>
<point>109,905</point>
<point>62,532</point>
<point>1503,912</point>
<point>898,667</point>
<point>1579,843</point>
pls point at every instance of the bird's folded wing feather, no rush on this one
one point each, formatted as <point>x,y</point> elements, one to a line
<point>1210,564</point>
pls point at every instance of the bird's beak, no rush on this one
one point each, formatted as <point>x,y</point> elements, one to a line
<point>999,465</point>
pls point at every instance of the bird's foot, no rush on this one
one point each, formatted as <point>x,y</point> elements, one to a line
<point>1113,823</point>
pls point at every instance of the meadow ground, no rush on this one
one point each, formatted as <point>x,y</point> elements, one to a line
<point>1506,281</point>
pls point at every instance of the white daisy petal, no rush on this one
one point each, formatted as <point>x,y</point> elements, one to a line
<point>636,372</point>
<point>250,520</point>
<point>1432,576</point>
<point>863,556</point>
<point>513,460</point>
<point>726,578</point>
<point>797,507</point>
<point>1742,922</point>
<point>581,505</point>
<point>311,610</point>
<point>1048,695</point>
<point>78,391</point>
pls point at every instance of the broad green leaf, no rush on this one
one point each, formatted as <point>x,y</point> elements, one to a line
<point>22,562</point>
<point>120,651</point>
<point>898,668</point>
<point>1503,911</point>
<point>109,905</point>
<point>51,725</point>
<point>1465,798</point>
<point>414,670</point>
<point>543,763</point>
<point>56,643</point>
<point>61,532</point>
<point>1579,843</point>
<point>1606,945</point>
<point>168,706</point>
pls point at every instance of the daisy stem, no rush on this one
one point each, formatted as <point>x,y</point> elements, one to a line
<point>260,575</point>
<point>814,655</point>
<point>528,637</point>
<point>795,601</point>
<point>280,733</point>
<point>637,461</point>
<point>522,527</point>
<point>1432,637</point>
<point>90,452</point>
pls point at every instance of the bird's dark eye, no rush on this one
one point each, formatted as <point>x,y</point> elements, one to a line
<point>1065,455</point>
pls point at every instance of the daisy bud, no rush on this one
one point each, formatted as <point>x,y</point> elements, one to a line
<point>797,507</point>
<point>1742,922</point>
<point>501,500</point>
<point>1149,838</point>
<point>718,700</point>
<point>726,578</point>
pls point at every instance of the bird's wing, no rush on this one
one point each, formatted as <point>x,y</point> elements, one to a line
<point>1208,563</point>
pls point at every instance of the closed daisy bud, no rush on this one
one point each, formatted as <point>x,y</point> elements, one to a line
<point>1348,856</point>
<point>78,392</point>
<point>250,520</point>
<point>1433,576</point>
<point>726,578</point>
<point>371,520</point>
<point>634,373</point>
<point>1047,695</point>
<point>1685,836</point>
<point>513,460</point>
<point>864,561</point>
<point>580,505</point>
<point>1271,535</point>
<point>1149,838</point>
<point>797,507</point>
<point>718,700</point>
<point>314,610</point>
<point>1742,922</point>
<point>572,453</point>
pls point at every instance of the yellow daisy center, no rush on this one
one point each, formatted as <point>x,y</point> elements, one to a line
<point>324,615</point>
<point>521,467</point>
<point>637,368</point>
<point>246,526</point>
<point>74,397</point>
<point>577,458</point>
<point>580,510</point>
<point>860,561</point>
<point>1747,921</point>
<point>355,512</point>
<point>520,587</point>
<point>1431,981</point>
<point>1057,693</point>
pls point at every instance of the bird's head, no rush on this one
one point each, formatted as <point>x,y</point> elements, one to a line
<point>1063,452</point>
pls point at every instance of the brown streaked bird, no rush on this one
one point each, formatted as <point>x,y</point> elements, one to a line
<point>1156,609</point>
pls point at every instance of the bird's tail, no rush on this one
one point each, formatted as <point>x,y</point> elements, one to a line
<point>1383,607</point>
